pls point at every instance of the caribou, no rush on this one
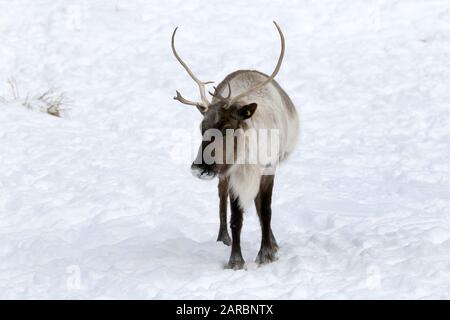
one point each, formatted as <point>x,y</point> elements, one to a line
<point>246,100</point>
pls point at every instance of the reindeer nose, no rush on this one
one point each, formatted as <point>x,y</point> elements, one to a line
<point>202,171</point>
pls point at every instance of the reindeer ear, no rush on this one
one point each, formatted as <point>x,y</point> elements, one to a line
<point>244,112</point>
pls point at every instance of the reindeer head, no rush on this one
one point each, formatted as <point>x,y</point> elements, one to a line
<point>221,117</point>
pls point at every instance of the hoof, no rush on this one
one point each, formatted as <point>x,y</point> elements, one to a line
<point>275,247</point>
<point>274,242</point>
<point>236,263</point>
<point>224,237</point>
<point>266,255</point>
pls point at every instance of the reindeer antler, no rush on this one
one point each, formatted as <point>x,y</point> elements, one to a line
<point>229,101</point>
<point>180,98</point>
<point>205,103</point>
<point>271,77</point>
<point>217,95</point>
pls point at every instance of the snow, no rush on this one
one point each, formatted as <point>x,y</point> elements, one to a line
<point>101,203</point>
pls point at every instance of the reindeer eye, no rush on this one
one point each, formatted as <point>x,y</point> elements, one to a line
<point>245,113</point>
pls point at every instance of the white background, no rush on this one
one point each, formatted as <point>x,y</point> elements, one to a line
<point>97,204</point>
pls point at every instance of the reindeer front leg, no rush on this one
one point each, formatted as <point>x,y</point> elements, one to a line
<point>223,199</point>
<point>236,261</point>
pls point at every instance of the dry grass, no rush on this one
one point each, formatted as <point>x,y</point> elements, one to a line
<point>51,101</point>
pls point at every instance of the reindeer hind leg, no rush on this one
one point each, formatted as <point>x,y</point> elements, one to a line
<point>263,202</point>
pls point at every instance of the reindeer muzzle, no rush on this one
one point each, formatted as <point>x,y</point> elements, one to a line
<point>203,172</point>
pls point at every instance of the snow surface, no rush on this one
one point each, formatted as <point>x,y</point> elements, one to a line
<point>101,204</point>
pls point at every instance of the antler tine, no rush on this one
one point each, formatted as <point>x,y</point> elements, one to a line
<point>213,94</point>
<point>219,96</point>
<point>274,73</point>
<point>180,98</point>
<point>200,83</point>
